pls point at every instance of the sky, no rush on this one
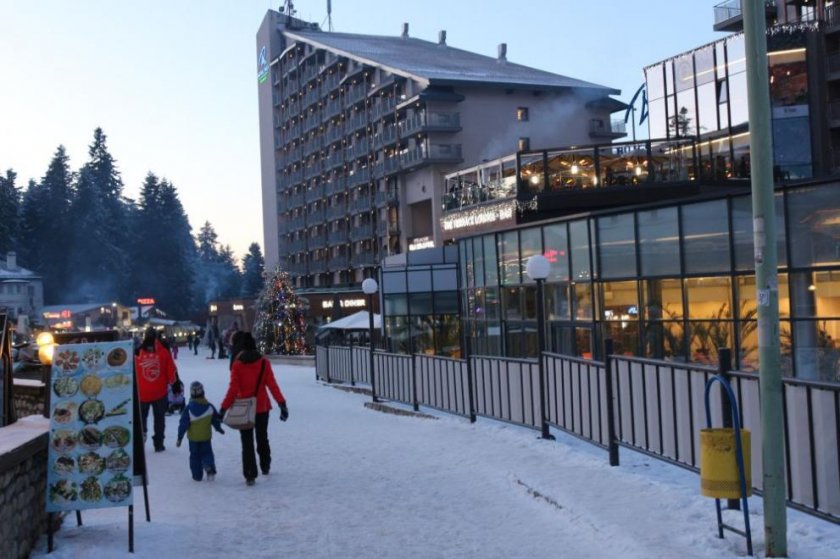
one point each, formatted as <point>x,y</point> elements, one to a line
<point>348,481</point>
<point>173,82</point>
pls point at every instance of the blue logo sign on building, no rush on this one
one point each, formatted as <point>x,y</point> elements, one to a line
<point>262,65</point>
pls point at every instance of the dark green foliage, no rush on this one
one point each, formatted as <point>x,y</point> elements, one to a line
<point>9,204</point>
<point>253,268</point>
<point>220,278</point>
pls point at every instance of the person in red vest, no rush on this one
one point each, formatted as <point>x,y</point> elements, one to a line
<point>155,371</point>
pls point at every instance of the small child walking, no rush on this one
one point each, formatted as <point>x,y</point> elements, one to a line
<point>198,420</point>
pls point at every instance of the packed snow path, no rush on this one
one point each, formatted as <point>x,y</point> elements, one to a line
<point>347,481</point>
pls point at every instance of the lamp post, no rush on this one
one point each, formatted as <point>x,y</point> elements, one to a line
<point>537,269</point>
<point>370,287</point>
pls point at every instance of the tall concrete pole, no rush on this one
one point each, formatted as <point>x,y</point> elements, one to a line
<point>766,279</point>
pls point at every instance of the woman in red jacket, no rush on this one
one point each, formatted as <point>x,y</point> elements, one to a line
<point>244,375</point>
<point>155,371</point>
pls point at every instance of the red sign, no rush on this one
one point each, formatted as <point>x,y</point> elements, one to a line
<point>145,301</point>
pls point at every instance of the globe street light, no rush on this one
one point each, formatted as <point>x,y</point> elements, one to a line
<point>370,287</point>
<point>537,269</point>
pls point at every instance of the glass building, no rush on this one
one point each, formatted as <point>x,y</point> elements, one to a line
<point>666,281</point>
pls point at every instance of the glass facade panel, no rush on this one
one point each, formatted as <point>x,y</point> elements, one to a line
<point>420,303</point>
<point>659,247</point>
<point>511,303</point>
<point>816,354</point>
<point>657,119</point>
<point>419,280</point>
<point>583,300</point>
<point>394,282</point>
<point>709,298</point>
<point>530,241</point>
<point>478,259</point>
<point>556,250</point>
<point>654,81</point>
<point>491,303</point>
<point>664,340</point>
<point>706,338</point>
<point>579,241</point>
<point>529,302</point>
<point>447,302</point>
<point>395,305</point>
<point>422,334</point>
<point>663,299</point>
<point>742,232</point>
<point>491,262</point>
<point>621,301</point>
<point>509,257</point>
<point>735,54</point>
<point>707,108</point>
<point>738,110</point>
<point>446,279</point>
<point>684,122</point>
<point>746,297</point>
<point>557,301</point>
<point>532,173</point>
<point>447,335</point>
<point>617,245</point>
<point>814,226</point>
<point>705,237</point>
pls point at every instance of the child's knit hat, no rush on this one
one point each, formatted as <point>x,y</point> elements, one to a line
<point>196,390</point>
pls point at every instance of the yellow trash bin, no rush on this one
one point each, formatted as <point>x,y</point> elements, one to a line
<point>719,463</point>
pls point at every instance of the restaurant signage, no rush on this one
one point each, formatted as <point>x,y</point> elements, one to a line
<point>90,454</point>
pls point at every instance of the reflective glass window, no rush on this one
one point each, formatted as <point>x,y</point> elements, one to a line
<point>659,245</point>
<point>509,257</point>
<point>579,241</point>
<point>684,73</point>
<point>735,54</point>
<point>704,65</point>
<point>814,223</point>
<point>663,299</point>
<point>664,340</point>
<point>791,148</point>
<point>747,297</point>
<point>655,83</point>
<point>446,302</point>
<point>669,77</point>
<point>395,305</point>
<point>617,245</point>
<point>657,121</point>
<point>491,269</point>
<point>742,232</point>
<point>491,303</point>
<point>684,122</point>
<point>478,261</point>
<point>738,109</point>
<point>445,279</point>
<point>816,353</point>
<point>394,282</point>
<point>583,300</point>
<point>419,280</point>
<point>420,303</point>
<point>621,301</point>
<point>557,301</point>
<point>705,237</point>
<point>709,298</point>
<point>556,250</point>
<point>512,303</point>
<point>529,302</point>
<point>707,108</point>
<point>530,241</point>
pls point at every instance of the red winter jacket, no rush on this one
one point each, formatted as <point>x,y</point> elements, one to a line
<point>155,371</point>
<point>243,384</point>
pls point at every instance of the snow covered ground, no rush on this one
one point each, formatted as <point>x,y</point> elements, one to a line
<point>348,481</point>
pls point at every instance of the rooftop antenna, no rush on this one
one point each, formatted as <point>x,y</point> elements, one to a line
<point>289,9</point>
<point>329,15</point>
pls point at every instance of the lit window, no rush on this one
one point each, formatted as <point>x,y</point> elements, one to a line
<point>524,144</point>
<point>522,114</point>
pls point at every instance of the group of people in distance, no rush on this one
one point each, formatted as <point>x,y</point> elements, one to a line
<point>250,375</point>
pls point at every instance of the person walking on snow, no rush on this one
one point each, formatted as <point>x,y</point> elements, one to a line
<point>155,371</point>
<point>198,420</point>
<point>249,369</point>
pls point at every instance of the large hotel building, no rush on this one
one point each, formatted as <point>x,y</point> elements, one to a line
<point>358,131</point>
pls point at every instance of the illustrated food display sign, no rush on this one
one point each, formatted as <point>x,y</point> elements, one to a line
<point>90,450</point>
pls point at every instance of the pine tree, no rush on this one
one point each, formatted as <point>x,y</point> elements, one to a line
<point>280,327</point>
<point>9,208</point>
<point>253,266</point>
<point>230,278</point>
<point>46,225</point>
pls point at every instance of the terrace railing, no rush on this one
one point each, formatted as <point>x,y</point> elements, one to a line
<point>656,406</point>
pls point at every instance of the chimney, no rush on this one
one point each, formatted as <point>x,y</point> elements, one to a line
<point>442,37</point>
<point>502,52</point>
<point>11,260</point>
<point>405,30</point>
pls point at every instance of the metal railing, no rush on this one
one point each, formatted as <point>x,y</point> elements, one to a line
<point>650,406</point>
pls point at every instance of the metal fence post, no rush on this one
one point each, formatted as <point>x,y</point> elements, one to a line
<point>414,382</point>
<point>612,443</point>
<point>470,401</point>
<point>328,363</point>
<point>724,366</point>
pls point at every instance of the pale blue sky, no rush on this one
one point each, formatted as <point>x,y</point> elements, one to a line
<point>173,82</point>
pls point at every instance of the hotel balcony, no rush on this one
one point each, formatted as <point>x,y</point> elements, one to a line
<point>360,176</point>
<point>295,200</point>
<point>435,153</point>
<point>390,198</point>
<point>384,228</point>
<point>295,224</point>
<point>317,241</point>
<point>430,122</point>
<point>361,259</point>
<point>361,232</point>
<point>336,212</point>
<point>295,246</point>
<point>729,17</point>
<point>335,186</point>
<point>610,129</point>
<point>337,237</point>
<point>360,205</point>
<point>314,193</point>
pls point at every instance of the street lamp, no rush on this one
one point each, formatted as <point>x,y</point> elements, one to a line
<point>537,269</point>
<point>370,287</point>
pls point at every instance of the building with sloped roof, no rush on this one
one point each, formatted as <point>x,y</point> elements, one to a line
<point>21,290</point>
<point>358,131</point>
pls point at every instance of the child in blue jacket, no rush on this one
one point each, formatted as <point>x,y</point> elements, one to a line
<point>198,420</point>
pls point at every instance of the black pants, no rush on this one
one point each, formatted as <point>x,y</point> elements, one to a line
<point>249,460</point>
<point>159,408</point>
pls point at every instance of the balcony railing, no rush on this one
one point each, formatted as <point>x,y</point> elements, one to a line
<point>360,205</point>
<point>391,198</point>
<point>385,228</point>
<point>336,212</point>
<point>337,237</point>
<point>361,232</point>
<point>607,129</point>
<point>317,241</point>
<point>295,200</point>
<point>729,16</point>
<point>430,121</point>
<point>354,94</point>
<point>335,186</point>
<point>364,259</point>
<point>361,176</point>
<point>448,153</point>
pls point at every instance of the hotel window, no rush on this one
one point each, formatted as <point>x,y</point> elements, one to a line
<point>524,144</point>
<point>522,114</point>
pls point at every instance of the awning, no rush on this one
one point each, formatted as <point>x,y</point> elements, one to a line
<point>356,321</point>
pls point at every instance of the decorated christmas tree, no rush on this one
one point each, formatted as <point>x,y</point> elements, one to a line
<point>281,325</point>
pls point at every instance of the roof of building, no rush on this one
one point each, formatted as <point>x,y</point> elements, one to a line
<point>76,308</point>
<point>16,273</point>
<point>437,63</point>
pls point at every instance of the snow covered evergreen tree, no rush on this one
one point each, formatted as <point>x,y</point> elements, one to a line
<point>280,327</point>
<point>9,207</point>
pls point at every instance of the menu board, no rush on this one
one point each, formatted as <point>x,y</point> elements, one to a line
<point>90,451</point>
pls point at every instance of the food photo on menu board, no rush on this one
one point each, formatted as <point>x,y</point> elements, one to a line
<point>90,449</point>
